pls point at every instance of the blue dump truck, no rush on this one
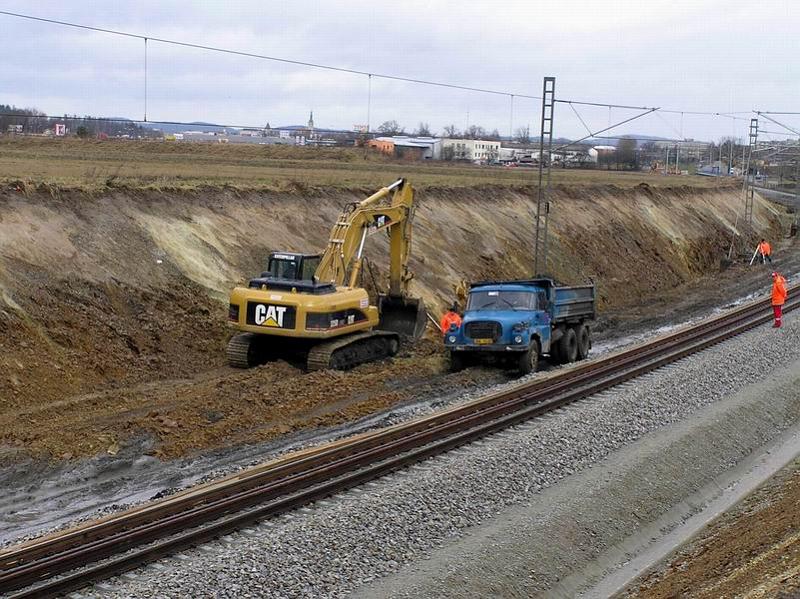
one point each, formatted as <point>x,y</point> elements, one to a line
<point>516,322</point>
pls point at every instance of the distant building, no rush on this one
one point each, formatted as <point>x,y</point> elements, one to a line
<point>474,150</point>
<point>409,148</point>
<point>597,153</point>
<point>688,149</point>
<point>574,155</point>
<point>384,145</point>
<point>234,138</point>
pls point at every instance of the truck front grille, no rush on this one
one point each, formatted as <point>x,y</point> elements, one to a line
<point>484,329</point>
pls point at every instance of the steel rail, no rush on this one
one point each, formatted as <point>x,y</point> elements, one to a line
<point>296,480</point>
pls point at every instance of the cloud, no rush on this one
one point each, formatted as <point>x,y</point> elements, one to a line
<point>710,56</point>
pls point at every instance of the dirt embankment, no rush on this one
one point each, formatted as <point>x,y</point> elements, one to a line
<point>753,550</point>
<point>112,309</point>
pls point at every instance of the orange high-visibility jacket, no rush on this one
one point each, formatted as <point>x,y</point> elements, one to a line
<point>448,319</point>
<point>778,291</point>
<point>765,248</point>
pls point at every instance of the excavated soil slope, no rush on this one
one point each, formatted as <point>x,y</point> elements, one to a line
<point>112,308</point>
<point>753,550</point>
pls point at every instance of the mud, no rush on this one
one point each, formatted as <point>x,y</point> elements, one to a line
<point>112,309</point>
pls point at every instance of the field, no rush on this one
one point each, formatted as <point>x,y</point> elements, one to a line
<point>97,166</point>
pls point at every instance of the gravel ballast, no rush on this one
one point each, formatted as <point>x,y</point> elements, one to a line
<point>339,545</point>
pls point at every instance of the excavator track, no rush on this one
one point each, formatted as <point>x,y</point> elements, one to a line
<point>352,350</point>
<point>245,351</point>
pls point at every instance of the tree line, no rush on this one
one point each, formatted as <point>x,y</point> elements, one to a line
<point>36,122</point>
<point>392,127</point>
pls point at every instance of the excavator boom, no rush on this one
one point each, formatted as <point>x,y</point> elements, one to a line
<point>344,254</point>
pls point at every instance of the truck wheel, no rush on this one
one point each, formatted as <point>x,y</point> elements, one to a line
<point>555,351</point>
<point>529,360</point>
<point>457,362</point>
<point>584,341</point>
<point>569,346</point>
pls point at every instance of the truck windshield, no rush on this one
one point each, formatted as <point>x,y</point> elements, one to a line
<point>501,300</point>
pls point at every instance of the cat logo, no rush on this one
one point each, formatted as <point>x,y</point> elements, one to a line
<point>270,316</point>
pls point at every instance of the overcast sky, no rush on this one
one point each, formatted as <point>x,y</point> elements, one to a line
<point>703,55</point>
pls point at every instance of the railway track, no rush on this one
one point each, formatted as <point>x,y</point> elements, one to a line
<point>68,560</point>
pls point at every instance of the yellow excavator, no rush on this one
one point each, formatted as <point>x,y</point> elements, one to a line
<point>311,306</point>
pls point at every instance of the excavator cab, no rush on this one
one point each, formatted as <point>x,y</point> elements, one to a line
<point>289,270</point>
<point>291,266</point>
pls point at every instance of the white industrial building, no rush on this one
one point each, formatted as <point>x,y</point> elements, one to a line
<point>474,150</point>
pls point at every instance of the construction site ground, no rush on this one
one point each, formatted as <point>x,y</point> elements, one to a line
<point>113,308</point>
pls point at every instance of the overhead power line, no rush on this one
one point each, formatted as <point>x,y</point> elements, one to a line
<point>301,63</point>
<point>147,38</point>
<point>787,127</point>
<point>615,125</point>
<point>198,125</point>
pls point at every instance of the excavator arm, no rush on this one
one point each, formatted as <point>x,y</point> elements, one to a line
<point>341,262</point>
<point>344,255</point>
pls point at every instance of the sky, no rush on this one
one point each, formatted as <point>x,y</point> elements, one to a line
<point>704,55</point>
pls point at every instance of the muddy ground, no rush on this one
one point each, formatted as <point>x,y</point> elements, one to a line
<point>112,309</point>
<point>753,550</point>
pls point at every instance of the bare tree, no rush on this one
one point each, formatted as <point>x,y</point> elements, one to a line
<point>391,128</point>
<point>448,153</point>
<point>475,132</point>
<point>523,135</point>
<point>451,131</point>
<point>423,130</point>
<point>626,153</point>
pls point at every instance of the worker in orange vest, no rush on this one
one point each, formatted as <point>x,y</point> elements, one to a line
<point>451,317</point>
<point>766,251</point>
<point>778,297</point>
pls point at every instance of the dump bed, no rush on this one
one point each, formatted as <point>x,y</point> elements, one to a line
<point>565,304</point>
<point>573,303</point>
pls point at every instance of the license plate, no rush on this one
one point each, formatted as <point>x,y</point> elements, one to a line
<point>483,341</point>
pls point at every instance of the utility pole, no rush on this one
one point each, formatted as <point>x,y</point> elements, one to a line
<point>511,120</point>
<point>730,158</point>
<point>543,197</point>
<point>666,161</point>
<point>793,225</point>
<point>748,184</point>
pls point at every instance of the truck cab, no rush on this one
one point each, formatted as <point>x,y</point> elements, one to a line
<point>516,322</point>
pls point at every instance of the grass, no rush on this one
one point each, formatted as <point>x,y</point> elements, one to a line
<point>97,166</point>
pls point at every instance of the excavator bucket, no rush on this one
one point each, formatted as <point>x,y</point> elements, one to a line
<point>403,315</point>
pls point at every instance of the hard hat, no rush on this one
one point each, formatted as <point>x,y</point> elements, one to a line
<point>775,274</point>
